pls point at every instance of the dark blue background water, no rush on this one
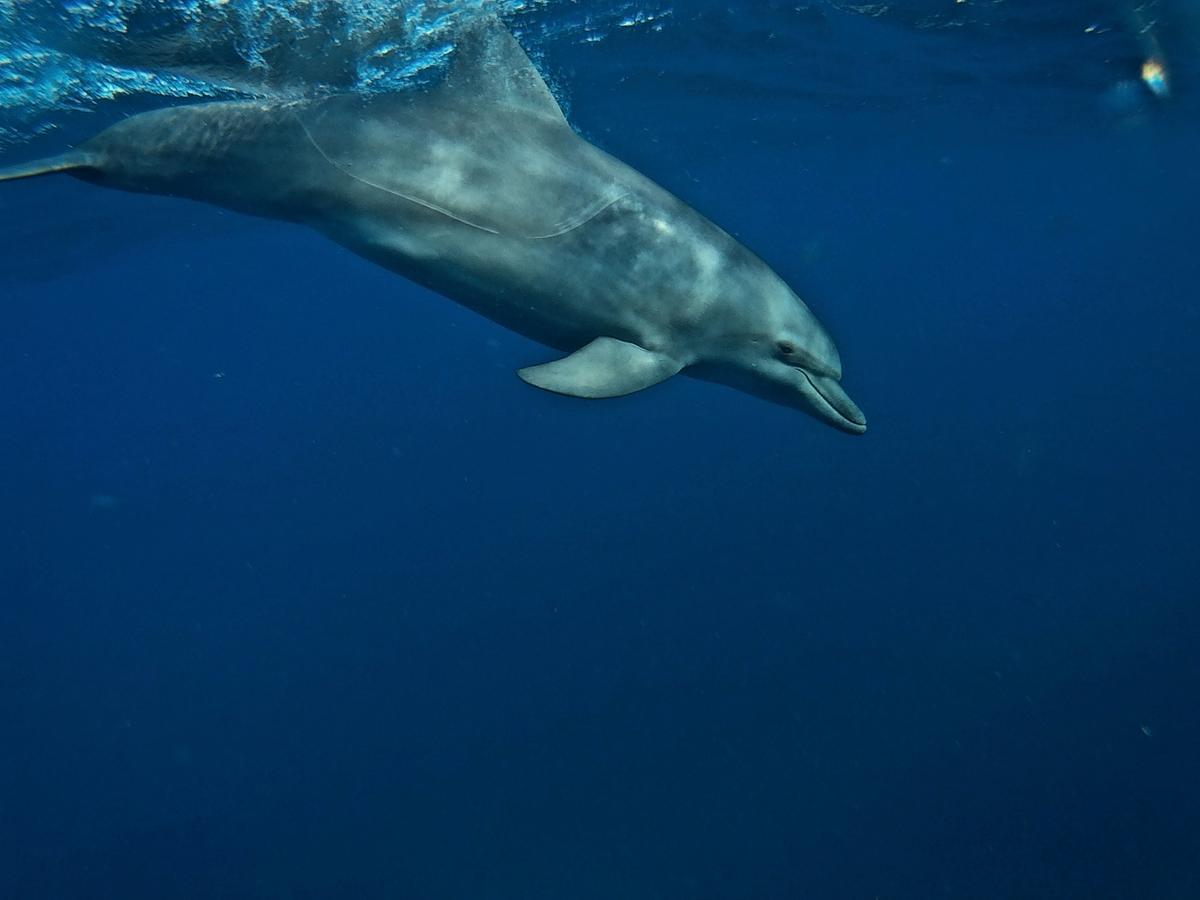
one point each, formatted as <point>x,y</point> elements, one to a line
<point>305,595</point>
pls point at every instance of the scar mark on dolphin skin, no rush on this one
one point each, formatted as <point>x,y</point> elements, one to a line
<point>583,217</point>
<point>570,224</point>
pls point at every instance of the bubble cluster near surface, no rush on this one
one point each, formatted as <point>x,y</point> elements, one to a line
<point>59,57</point>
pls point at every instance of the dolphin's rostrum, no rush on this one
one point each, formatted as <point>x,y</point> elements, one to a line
<point>479,189</point>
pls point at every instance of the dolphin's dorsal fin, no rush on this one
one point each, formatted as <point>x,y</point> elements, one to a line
<point>489,66</point>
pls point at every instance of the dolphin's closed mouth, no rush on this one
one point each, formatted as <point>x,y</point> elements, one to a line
<point>843,412</point>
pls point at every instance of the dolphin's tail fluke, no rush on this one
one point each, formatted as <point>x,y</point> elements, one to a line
<point>66,162</point>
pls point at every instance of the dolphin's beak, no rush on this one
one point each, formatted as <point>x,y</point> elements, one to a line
<point>835,405</point>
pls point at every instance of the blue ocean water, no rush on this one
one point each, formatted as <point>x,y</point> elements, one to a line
<point>303,594</point>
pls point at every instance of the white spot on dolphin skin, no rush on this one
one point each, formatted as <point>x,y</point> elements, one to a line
<point>708,264</point>
<point>447,164</point>
<point>662,226</point>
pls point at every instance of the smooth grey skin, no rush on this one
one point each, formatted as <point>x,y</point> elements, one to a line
<point>481,191</point>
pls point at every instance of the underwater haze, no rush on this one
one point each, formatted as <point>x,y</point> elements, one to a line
<point>304,594</point>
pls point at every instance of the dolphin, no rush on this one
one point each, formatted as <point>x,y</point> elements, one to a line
<point>479,189</point>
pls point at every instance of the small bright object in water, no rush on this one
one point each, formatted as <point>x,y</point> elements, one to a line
<point>1154,73</point>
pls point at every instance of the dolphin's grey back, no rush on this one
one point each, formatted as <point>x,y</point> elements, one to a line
<point>516,176</point>
<point>489,147</point>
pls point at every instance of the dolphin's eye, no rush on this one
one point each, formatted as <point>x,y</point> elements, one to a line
<point>787,348</point>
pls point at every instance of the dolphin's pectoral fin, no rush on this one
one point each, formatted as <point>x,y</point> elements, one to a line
<point>604,368</point>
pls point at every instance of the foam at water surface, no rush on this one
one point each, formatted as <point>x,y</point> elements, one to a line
<point>57,57</point>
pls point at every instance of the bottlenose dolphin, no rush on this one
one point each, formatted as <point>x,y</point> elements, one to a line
<point>479,189</point>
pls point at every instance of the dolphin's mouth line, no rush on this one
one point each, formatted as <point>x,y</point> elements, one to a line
<point>849,423</point>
